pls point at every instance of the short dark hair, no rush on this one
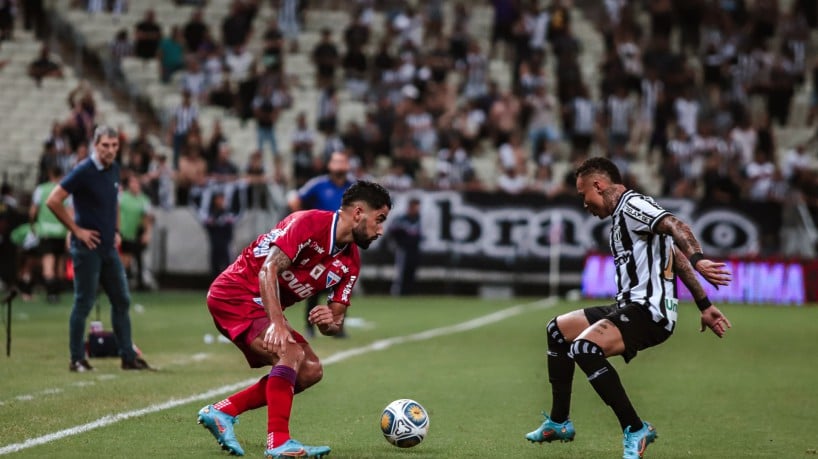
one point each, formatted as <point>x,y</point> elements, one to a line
<point>600,165</point>
<point>371,193</point>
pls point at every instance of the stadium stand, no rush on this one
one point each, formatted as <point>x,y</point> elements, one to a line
<point>29,110</point>
<point>143,76</point>
<point>530,88</point>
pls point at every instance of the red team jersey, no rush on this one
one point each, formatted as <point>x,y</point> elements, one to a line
<point>308,239</point>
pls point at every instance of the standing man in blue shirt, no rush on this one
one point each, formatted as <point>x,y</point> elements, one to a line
<point>323,192</point>
<point>94,187</point>
<point>406,234</point>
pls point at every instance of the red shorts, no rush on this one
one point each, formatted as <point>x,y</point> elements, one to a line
<point>241,320</point>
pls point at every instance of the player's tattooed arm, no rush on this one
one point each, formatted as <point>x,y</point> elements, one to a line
<point>275,262</point>
<point>714,272</point>
<point>683,269</point>
<point>682,235</point>
<point>278,258</point>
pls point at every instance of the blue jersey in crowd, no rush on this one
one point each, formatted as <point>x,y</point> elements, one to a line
<point>322,193</point>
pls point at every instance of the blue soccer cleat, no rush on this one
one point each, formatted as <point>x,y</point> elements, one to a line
<point>636,443</point>
<point>294,448</point>
<point>220,424</point>
<point>550,431</point>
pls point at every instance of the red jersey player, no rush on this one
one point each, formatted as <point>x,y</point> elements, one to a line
<point>306,253</point>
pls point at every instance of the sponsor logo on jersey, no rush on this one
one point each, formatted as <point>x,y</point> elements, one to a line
<point>348,288</point>
<point>317,270</point>
<point>622,259</point>
<point>297,287</point>
<point>340,264</point>
<point>636,214</point>
<point>332,279</point>
<point>263,247</point>
<point>318,249</point>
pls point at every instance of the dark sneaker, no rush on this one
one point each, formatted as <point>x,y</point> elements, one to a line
<point>80,366</point>
<point>137,363</point>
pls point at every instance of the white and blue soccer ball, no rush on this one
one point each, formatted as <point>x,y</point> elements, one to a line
<point>404,423</point>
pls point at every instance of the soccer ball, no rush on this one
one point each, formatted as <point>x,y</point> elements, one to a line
<point>404,423</point>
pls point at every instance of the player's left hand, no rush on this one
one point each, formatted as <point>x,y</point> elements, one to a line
<point>713,319</point>
<point>714,272</point>
<point>321,315</point>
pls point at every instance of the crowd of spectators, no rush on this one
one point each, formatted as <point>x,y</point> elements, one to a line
<point>675,88</point>
<point>695,90</point>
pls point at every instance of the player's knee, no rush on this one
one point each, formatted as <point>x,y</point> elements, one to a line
<point>295,352</point>
<point>310,373</point>
<point>292,355</point>
<point>556,340</point>
<point>582,350</point>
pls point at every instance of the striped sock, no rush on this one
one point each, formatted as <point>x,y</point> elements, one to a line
<point>605,381</point>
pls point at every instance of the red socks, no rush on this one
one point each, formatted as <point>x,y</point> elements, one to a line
<point>251,398</point>
<point>279,392</point>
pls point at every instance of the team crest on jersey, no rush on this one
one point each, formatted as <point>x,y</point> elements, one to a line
<point>617,233</point>
<point>332,279</point>
<point>317,271</point>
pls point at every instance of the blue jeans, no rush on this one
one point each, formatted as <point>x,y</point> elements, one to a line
<point>266,135</point>
<point>92,267</point>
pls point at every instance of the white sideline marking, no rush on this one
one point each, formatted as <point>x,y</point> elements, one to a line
<point>104,377</point>
<point>334,358</point>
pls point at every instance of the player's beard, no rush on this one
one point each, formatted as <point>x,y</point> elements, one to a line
<point>360,237</point>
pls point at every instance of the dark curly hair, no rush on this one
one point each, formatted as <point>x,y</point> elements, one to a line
<point>600,165</point>
<point>371,193</point>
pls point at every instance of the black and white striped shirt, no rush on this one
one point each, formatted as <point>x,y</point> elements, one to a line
<point>584,115</point>
<point>477,70</point>
<point>185,116</point>
<point>643,258</point>
<point>620,110</point>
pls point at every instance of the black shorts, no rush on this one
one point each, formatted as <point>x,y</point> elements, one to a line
<point>131,247</point>
<point>51,246</point>
<point>634,321</point>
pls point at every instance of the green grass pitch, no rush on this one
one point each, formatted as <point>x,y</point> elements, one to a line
<point>484,384</point>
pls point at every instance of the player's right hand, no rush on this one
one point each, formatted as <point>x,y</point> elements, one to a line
<point>276,337</point>
<point>88,237</point>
